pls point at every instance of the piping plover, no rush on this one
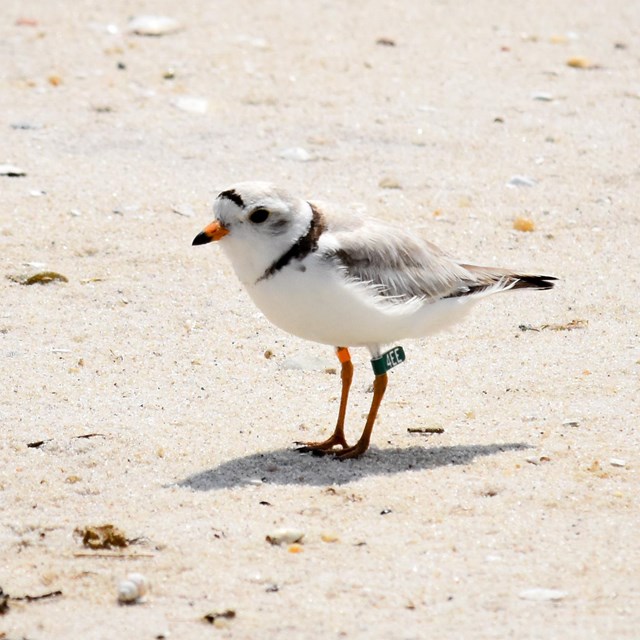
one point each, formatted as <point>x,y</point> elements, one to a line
<point>346,281</point>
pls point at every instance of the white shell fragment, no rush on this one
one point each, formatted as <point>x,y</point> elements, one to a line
<point>153,25</point>
<point>521,181</point>
<point>540,594</point>
<point>192,104</point>
<point>297,154</point>
<point>285,536</point>
<point>617,462</point>
<point>11,171</point>
<point>133,588</point>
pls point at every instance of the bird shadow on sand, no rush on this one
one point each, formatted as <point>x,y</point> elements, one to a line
<point>289,467</point>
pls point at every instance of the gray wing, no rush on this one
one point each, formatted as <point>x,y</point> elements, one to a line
<point>397,264</point>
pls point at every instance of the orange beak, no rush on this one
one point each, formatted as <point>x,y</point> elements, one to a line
<point>211,232</point>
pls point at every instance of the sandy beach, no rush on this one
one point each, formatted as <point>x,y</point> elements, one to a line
<point>141,388</point>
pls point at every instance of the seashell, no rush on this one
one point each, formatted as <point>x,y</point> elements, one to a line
<point>12,171</point>
<point>192,104</point>
<point>539,594</point>
<point>141,582</point>
<point>128,591</point>
<point>133,588</point>
<point>153,25</point>
<point>285,536</point>
<point>297,154</point>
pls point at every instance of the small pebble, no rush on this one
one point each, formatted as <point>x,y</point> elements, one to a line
<point>617,462</point>
<point>329,537</point>
<point>389,183</point>
<point>153,25</point>
<point>297,154</point>
<point>527,225</point>
<point>285,536</point>
<point>558,38</point>
<point>570,423</point>
<point>542,595</point>
<point>579,62</point>
<point>541,96</point>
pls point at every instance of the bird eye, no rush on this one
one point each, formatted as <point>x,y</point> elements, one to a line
<point>259,215</point>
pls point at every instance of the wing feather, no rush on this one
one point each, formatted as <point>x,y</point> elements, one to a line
<point>397,265</point>
<point>402,267</point>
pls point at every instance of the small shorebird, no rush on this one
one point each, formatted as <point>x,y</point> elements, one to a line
<point>346,281</point>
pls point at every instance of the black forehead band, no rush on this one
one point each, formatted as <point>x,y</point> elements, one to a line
<point>234,196</point>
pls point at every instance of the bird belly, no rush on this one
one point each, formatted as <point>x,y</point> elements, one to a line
<point>320,305</point>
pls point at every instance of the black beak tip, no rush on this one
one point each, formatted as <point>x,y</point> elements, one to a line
<point>201,238</point>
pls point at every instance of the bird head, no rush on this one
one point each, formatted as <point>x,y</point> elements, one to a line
<point>256,223</point>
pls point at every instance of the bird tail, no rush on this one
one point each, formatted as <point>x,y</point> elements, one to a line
<point>532,282</point>
<point>492,280</point>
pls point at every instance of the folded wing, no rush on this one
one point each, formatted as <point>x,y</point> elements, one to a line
<point>400,266</point>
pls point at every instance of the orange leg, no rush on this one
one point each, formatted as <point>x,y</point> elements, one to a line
<point>379,387</point>
<point>337,438</point>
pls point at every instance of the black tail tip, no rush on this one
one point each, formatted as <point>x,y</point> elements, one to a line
<point>535,282</point>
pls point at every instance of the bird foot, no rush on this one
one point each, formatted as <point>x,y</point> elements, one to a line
<point>351,452</point>
<point>327,448</point>
<point>324,447</point>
